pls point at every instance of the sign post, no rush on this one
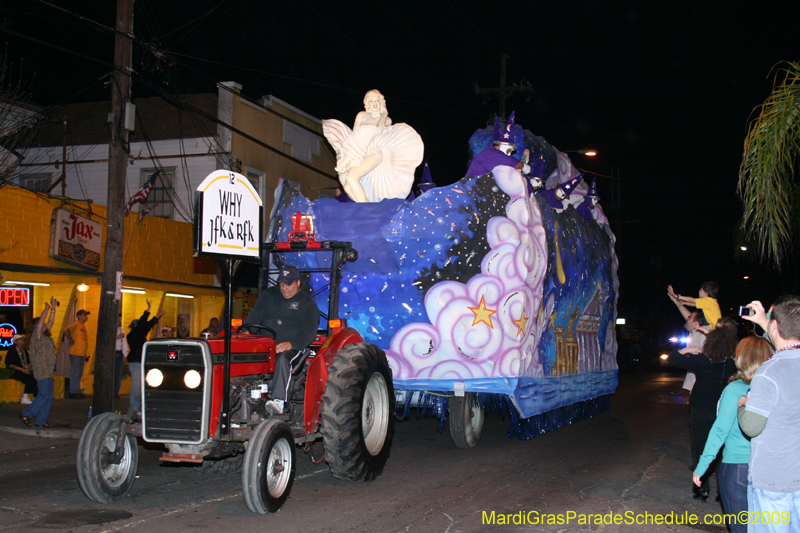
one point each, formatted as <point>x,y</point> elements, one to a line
<point>227,225</point>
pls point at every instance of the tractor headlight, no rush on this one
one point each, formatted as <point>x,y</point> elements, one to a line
<point>154,377</point>
<point>192,379</point>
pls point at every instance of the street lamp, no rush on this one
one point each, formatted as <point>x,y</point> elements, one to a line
<point>588,152</point>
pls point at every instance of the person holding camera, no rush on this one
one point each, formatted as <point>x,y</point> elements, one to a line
<point>43,359</point>
<point>770,413</point>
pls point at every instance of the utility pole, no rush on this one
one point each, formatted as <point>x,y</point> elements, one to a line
<point>503,91</point>
<point>117,170</point>
<point>63,179</point>
<point>64,163</point>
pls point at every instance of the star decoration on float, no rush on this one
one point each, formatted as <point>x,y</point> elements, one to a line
<point>553,319</point>
<point>482,313</point>
<point>521,323</point>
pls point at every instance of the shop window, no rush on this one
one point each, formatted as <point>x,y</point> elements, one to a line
<point>36,182</point>
<point>255,181</point>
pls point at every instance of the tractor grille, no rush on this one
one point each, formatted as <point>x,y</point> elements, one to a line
<point>171,411</point>
<point>173,416</point>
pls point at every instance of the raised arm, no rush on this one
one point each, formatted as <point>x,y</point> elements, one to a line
<point>157,320</point>
<point>52,318</point>
<point>41,321</point>
<point>674,297</point>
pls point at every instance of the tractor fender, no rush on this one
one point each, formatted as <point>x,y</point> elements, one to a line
<point>317,375</point>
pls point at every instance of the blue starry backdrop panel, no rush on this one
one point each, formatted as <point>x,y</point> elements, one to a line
<point>478,282</point>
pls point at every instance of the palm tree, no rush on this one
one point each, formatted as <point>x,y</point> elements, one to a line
<point>768,183</point>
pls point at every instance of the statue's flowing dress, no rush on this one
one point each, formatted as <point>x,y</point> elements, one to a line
<point>399,146</point>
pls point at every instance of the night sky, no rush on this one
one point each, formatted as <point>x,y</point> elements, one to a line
<point>662,92</point>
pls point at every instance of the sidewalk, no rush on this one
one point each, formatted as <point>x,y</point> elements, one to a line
<point>67,416</point>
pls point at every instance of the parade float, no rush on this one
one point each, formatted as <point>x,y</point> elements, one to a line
<point>496,293</point>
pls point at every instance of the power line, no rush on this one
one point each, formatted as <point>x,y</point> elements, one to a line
<point>201,18</point>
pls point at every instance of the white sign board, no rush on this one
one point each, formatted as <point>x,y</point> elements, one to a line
<point>75,239</point>
<point>228,216</point>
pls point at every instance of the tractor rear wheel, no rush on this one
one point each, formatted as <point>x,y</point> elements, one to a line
<point>357,413</point>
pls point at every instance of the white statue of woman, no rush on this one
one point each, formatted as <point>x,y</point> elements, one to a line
<point>375,160</point>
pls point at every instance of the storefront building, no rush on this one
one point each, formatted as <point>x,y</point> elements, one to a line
<point>54,247</point>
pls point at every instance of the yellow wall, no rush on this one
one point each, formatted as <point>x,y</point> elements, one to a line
<point>158,249</point>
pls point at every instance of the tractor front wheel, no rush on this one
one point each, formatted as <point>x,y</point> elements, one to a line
<point>269,467</point>
<point>102,476</point>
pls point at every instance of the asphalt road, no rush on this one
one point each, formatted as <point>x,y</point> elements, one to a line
<point>632,459</point>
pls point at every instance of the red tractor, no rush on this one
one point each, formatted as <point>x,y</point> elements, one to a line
<point>343,396</point>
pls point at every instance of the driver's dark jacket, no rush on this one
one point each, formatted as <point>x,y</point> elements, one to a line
<point>294,320</point>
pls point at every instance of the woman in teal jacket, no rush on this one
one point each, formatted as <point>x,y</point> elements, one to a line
<point>751,353</point>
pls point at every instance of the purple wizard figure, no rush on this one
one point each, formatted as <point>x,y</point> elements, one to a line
<point>536,177</point>
<point>342,197</point>
<point>555,197</point>
<point>499,153</point>
<point>586,208</point>
<point>425,184</point>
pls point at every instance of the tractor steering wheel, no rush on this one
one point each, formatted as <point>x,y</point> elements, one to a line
<point>268,329</point>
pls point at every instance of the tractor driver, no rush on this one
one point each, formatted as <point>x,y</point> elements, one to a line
<point>294,316</point>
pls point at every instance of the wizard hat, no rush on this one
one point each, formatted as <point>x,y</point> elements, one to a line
<point>426,183</point>
<point>538,169</point>
<point>504,134</point>
<point>497,133</point>
<point>593,189</point>
<point>570,185</point>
